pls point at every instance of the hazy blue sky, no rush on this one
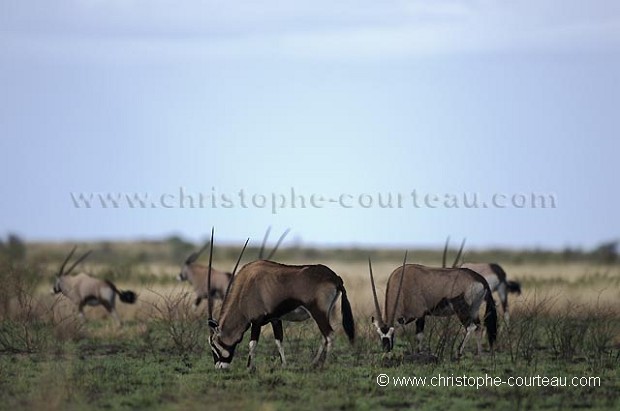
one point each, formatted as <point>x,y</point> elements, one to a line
<point>336,98</point>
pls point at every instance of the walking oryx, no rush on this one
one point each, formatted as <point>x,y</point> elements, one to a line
<point>493,273</point>
<point>415,291</point>
<point>265,290</point>
<point>83,289</point>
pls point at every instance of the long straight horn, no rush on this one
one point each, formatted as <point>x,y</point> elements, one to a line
<point>458,256</point>
<point>284,234</point>
<point>374,294</point>
<point>210,299</point>
<point>235,270</point>
<point>204,247</point>
<point>79,260</point>
<point>62,267</point>
<point>262,247</point>
<point>400,286</point>
<point>445,253</point>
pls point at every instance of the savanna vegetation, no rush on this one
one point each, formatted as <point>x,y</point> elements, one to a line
<point>565,324</point>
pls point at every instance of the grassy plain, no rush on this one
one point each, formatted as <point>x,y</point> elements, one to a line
<point>565,324</point>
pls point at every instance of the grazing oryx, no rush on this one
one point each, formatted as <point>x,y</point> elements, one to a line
<point>493,273</point>
<point>197,275</point>
<point>415,291</point>
<point>263,291</point>
<point>85,290</point>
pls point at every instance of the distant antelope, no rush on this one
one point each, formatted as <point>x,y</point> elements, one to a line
<point>83,289</point>
<point>493,273</point>
<point>415,291</point>
<point>264,291</point>
<point>196,275</point>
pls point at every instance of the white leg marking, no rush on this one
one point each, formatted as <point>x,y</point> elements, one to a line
<point>116,317</point>
<point>328,346</point>
<point>420,337</point>
<point>325,347</point>
<point>318,354</point>
<point>281,352</point>
<point>469,329</point>
<point>479,332</point>
<point>253,344</point>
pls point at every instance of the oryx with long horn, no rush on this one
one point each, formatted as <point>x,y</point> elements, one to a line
<point>415,291</point>
<point>264,291</point>
<point>84,290</point>
<point>493,273</point>
<point>196,274</point>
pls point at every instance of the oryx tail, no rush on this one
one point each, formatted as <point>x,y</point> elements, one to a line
<point>128,296</point>
<point>511,286</point>
<point>490,316</point>
<point>347,315</point>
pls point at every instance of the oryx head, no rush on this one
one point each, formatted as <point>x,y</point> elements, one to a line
<point>61,272</point>
<point>222,353</point>
<point>193,257</point>
<point>385,328</point>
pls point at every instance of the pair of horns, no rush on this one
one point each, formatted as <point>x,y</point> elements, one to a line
<point>388,321</point>
<point>62,271</point>
<point>262,247</point>
<point>192,258</point>
<point>210,300</point>
<point>458,255</point>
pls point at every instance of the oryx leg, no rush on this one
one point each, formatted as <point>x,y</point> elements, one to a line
<point>502,292</point>
<point>278,335</point>
<point>468,330</point>
<point>254,336</point>
<point>468,315</point>
<point>479,334</point>
<point>109,306</point>
<point>81,310</point>
<point>419,332</point>
<point>321,316</point>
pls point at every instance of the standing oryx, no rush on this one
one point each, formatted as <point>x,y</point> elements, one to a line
<point>264,291</point>
<point>83,289</point>
<point>196,275</point>
<point>415,291</point>
<point>493,273</point>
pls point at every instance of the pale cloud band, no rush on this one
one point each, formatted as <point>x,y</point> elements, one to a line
<point>142,31</point>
